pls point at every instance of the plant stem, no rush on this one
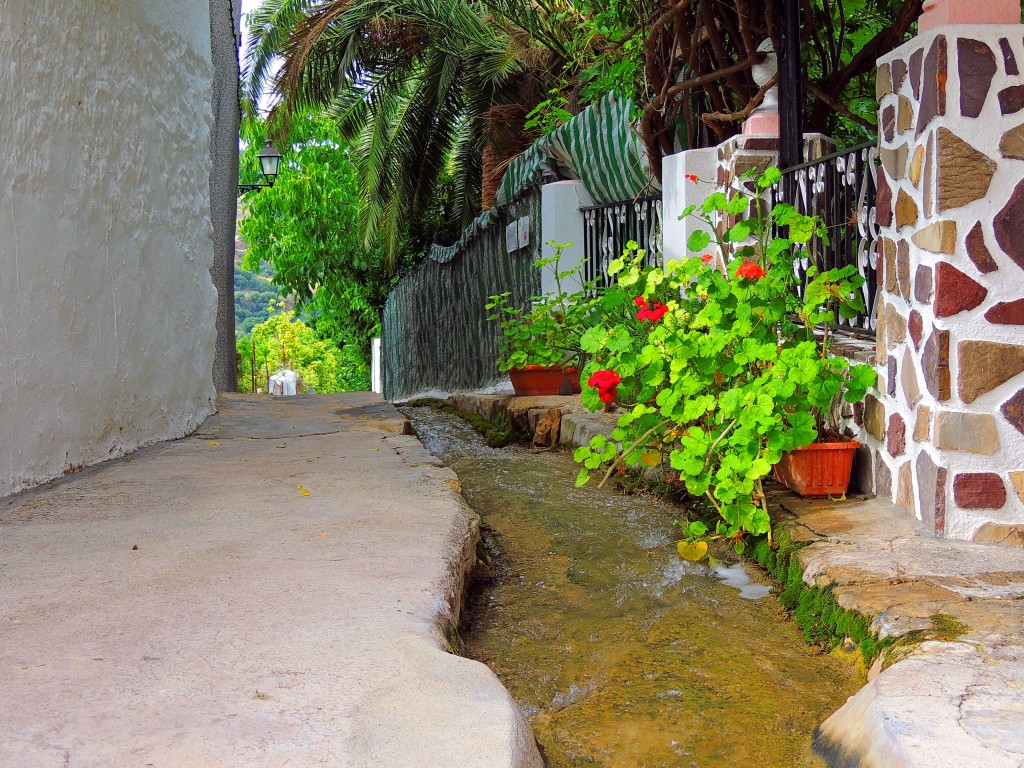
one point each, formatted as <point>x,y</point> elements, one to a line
<point>633,447</point>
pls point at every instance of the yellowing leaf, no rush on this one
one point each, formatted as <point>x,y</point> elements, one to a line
<point>650,458</point>
<point>693,550</point>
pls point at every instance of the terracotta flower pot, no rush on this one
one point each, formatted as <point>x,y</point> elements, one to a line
<point>535,380</point>
<point>818,469</point>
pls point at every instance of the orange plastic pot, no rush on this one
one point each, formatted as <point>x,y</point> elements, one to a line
<point>819,469</point>
<point>536,380</point>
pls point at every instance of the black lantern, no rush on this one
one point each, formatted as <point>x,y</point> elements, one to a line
<point>270,166</point>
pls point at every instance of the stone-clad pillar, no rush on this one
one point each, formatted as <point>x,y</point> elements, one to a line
<point>948,430</point>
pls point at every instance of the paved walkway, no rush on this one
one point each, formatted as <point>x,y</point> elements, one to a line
<point>193,606</point>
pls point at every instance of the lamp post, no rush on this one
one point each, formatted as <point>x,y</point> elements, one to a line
<point>270,165</point>
<point>791,141</point>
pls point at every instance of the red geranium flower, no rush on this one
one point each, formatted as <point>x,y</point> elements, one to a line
<point>640,301</point>
<point>654,312</point>
<point>706,258</point>
<point>605,382</point>
<point>751,270</point>
<point>693,177</point>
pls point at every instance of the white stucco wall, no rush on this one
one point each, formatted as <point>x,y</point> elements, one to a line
<point>106,304</point>
<point>562,223</point>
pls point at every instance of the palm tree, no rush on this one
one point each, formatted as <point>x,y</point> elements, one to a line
<point>427,90</point>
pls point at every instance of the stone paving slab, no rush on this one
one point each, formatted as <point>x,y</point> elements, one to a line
<point>190,607</point>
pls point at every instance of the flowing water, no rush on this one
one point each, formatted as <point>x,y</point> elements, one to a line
<point>621,653</point>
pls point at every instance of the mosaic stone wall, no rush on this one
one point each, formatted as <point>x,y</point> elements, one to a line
<point>947,424</point>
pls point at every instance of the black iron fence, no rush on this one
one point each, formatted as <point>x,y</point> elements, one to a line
<point>841,189</point>
<point>608,227</point>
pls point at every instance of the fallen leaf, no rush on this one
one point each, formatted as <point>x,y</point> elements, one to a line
<point>213,442</point>
<point>375,449</point>
<point>304,493</point>
<point>321,534</point>
<point>693,550</point>
<point>282,446</point>
<point>298,487</point>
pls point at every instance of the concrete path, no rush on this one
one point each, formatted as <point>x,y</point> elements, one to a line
<point>193,606</point>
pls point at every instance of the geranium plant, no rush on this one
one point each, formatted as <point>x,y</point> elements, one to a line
<point>721,371</point>
<point>549,332</point>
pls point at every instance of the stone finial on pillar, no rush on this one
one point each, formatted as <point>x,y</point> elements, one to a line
<point>764,121</point>
<point>938,12</point>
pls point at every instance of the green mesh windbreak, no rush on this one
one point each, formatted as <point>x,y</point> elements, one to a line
<point>435,330</point>
<point>598,147</point>
<point>436,335</point>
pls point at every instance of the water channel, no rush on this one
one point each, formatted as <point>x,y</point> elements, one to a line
<point>621,653</point>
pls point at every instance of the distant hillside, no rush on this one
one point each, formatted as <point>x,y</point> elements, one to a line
<point>253,291</point>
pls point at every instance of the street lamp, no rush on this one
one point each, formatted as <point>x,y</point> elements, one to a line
<point>270,165</point>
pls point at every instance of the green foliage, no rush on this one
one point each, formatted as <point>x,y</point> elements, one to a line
<point>720,372</point>
<point>549,332</point>
<point>306,228</point>
<point>285,340</point>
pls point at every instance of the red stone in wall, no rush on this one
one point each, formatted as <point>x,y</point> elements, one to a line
<point>979,490</point>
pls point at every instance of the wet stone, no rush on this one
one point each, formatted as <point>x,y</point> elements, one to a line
<point>883,479</point>
<point>905,487</point>
<point>955,292</point>
<point>923,424</point>
<point>935,363</point>
<point>889,254</point>
<point>883,82</point>
<point>1012,143</point>
<point>916,166</point>
<point>967,432</point>
<point>1007,313</point>
<point>896,435</point>
<point>978,252</point>
<point>933,84</point>
<point>895,163</point>
<point>1011,100</point>
<point>937,237</point>
<point>963,174</point>
<point>899,74</point>
<point>1000,533</point>
<point>888,125</point>
<point>906,210</point>
<point>915,325</point>
<point>916,59</point>
<point>903,268</point>
<point>1017,481</point>
<point>923,284</point>
<point>1009,60</point>
<point>904,115</point>
<point>977,68</point>
<point>931,490</point>
<point>874,417</point>
<point>890,367</point>
<point>1009,226</point>
<point>908,379</point>
<point>985,365</point>
<point>1013,410</point>
<point>929,208</point>
<point>979,490</point>
<point>883,202</point>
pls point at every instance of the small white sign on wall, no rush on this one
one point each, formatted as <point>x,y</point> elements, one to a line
<point>512,236</point>
<point>524,232</point>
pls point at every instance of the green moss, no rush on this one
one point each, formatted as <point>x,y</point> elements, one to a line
<point>814,609</point>
<point>497,433</point>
